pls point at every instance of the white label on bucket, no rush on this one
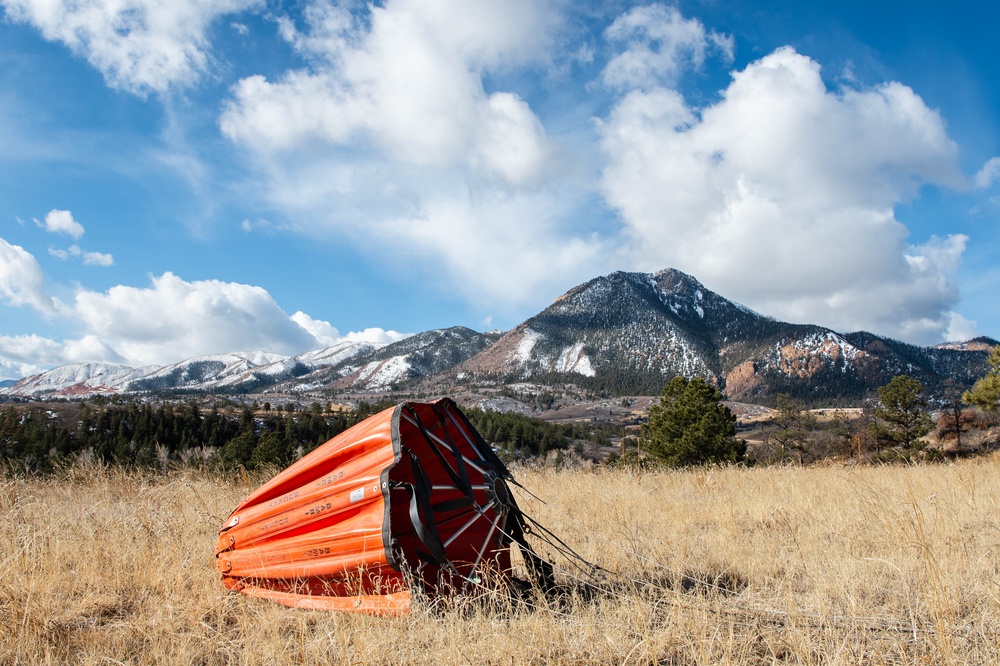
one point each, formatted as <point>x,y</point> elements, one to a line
<point>357,495</point>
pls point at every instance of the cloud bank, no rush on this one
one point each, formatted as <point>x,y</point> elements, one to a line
<point>417,133</point>
<point>167,321</point>
<point>391,139</point>
<point>781,196</point>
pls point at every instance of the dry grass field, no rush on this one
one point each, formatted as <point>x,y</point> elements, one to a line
<point>815,565</point>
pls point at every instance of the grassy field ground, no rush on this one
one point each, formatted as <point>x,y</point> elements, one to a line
<point>814,565</point>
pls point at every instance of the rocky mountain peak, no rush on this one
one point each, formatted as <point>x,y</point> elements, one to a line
<point>625,333</point>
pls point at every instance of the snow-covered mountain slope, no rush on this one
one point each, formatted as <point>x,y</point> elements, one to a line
<point>630,329</point>
<point>232,372</point>
<point>338,353</point>
<point>620,334</point>
<point>78,379</point>
<point>399,363</point>
<point>631,332</point>
<point>235,370</point>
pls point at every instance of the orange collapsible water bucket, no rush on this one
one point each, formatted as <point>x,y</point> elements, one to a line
<point>409,500</point>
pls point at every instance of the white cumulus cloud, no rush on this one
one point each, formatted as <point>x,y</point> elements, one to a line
<point>961,329</point>
<point>170,320</point>
<point>325,333</point>
<point>660,45</point>
<point>408,84</point>
<point>62,222</point>
<point>22,281</point>
<point>25,355</point>
<point>174,319</point>
<point>505,249</point>
<point>376,335</point>
<point>390,138</point>
<point>90,349</point>
<point>782,194</point>
<point>328,335</point>
<point>140,46</point>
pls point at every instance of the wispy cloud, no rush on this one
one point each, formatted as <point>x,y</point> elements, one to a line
<point>89,258</point>
<point>660,44</point>
<point>138,46</point>
<point>988,174</point>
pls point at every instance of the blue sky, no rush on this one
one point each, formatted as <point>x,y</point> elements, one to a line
<point>205,176</point>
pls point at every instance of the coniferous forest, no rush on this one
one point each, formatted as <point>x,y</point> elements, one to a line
<point>39,437</point>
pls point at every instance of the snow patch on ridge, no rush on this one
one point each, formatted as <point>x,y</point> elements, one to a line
<point>381,375</point>
<point>522,353</point>
<point>78,379</point>
<point>336,353</point>
<point>572,359</point>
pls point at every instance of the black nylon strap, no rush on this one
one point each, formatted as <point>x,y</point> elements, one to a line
<point>539,569</point>
<point>459,459</point>
<point>418,527</point>
<point>484,450</point>
<point>456,479</point>
<point>564,547</point>
<point>420,500</point>
<point>452,505</point>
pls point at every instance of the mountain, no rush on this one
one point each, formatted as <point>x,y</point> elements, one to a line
<point>398,364</point>
<point>337,354</point>
<point>236,372</point>
<point>628,328</point>
<point>628,333</point>
<point>619,334</point>
<point>77,379</point>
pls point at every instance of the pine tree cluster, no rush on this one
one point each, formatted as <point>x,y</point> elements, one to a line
<point>134,433</point>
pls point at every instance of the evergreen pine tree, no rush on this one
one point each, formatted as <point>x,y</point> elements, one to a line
<point>691,426</point>
<point>238,450</point>
<point>270,450</point>
<point>985,393</point>
<point>902,416</point>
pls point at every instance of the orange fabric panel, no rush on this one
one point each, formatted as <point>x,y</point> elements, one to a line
<point>344,489</point>
<point>374,604</point>
<point>302,537</point>
<point>372,434</point>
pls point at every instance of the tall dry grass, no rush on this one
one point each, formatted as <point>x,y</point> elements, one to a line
<point>865,565</point>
